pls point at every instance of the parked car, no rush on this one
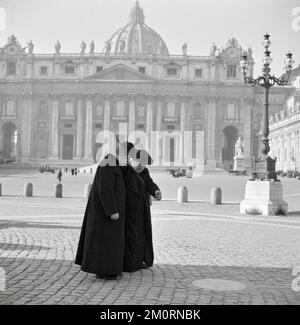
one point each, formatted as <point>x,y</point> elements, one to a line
<point>178,172</point>
<point>46,169</point>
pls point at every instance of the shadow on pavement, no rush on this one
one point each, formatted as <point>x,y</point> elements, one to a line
<point>31,224</point>
<point>54,281</point>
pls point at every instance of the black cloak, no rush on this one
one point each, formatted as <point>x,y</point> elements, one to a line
<point>102,240</point>
<point>138,238</point>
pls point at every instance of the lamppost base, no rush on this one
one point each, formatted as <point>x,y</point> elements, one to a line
<point>264,168</point>
<point>264,197</point>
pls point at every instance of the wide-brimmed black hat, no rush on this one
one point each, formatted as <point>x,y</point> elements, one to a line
<point>129,149</point>
<point>143,157</point>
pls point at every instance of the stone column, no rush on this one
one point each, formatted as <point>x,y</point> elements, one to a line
<point>79,133</point>
<point>131,122</point>
<point>26,129</point>
<point>211,136</point>
<point>89,130</point>
<point>157,150</point>
<point>282,158</point>
<point>106,126</point>
<point>1,131</point>
<point>55,129</point>
<point>288,158</point>
<point>183,123</point>
<point>149,125</point>
<point>298,151</point>
<point>246,111</point>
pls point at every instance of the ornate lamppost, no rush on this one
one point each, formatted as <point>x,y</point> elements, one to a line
<point>264,166</point>
<point>263,193</point>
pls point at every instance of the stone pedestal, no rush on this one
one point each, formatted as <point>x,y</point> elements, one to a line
<point>264,197</point>
<point>242,163</point>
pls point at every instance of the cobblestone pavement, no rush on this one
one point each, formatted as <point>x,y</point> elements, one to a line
<point>39,236</point>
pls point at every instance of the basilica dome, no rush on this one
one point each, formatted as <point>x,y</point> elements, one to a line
<point>136,37</point>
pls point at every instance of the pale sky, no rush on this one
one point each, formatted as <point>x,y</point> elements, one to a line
<point>197,22</point>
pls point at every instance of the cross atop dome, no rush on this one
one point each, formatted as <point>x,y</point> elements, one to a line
<point>137,15</point>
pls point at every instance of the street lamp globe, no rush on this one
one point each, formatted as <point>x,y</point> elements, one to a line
<point>266,42</point>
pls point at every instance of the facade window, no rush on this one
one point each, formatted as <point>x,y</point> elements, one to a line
<point>198,73</point>
<point>69,69</point>
<point>170,127</point>
<point>43,71</point>
<point>42,112</point>
<point>172,72</point>
<point>171,110</point>
<point>98,126</point>
<point>140,126</point>
<point>99,68</point>
<point>198,110</point>
<point>68,125</point>
<point>69,109</point>
<point>11,68</point>
<point>231,71</point>
<point>231,112</point>
<point>141,111</point>
<point>120,109</point>
<point>10,108</point>
<point>142,69</point>
<point>99,110</point>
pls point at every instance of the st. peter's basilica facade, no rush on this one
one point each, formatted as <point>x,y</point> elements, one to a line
<point>53,106</point>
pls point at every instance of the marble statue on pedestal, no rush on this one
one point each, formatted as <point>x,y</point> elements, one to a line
<point>239,146</point>
<point>184,49</point>
<point>92,47</point>
<point>30,47</point>
<point>82,47</point>
<point>57,47</point>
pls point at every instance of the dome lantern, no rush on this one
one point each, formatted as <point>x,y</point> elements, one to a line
<point>136,38</point>
<point>137,15</point>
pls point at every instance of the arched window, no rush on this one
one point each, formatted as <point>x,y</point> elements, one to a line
<point>171,110</point>
<point>120,109</point>
<point>198,110</point>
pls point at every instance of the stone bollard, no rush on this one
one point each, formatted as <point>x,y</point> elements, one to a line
<point>182,194</point>
<point>0,189</point>
<point>216,195</point>
<point>58,189</point>
<point>87,190</point>
<point>28,189</point>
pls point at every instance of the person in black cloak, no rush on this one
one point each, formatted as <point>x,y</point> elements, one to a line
<point>102,240</point>
<point>138,231</point>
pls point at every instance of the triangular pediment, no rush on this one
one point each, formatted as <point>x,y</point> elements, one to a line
<point>120,72</point>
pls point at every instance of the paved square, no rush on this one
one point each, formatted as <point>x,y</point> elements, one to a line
<point>192,242</point>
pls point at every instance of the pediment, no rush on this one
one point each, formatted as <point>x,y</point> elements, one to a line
<point>120,72</point>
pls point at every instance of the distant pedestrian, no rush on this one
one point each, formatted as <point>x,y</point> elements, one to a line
<point>72,172</point>
<point>59,175</point>
<point>75,172</point>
